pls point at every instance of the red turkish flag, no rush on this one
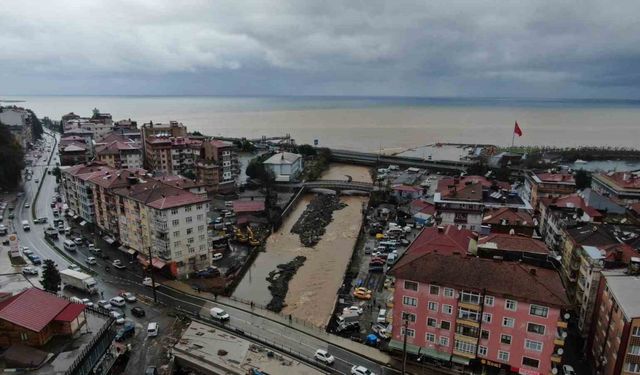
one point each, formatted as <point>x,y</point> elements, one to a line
<point>517,130</point>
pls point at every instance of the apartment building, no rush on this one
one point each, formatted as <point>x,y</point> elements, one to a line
<point>462,201</point>
<point>622,187</point>
<point>120,154</point>
<point>286,166</point>
<point>78,190</point>
<point>550,184</point>
<point>614,341</point>
<point>18,120</point>
<point>513,247</point>
<point>476,313</point>
<point>506,220</point>
<point>171,155</point>
<point>593,260</point>
<point>217,166</point>
<point>169,221</point>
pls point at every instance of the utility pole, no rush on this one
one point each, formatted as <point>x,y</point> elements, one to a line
<point>153,279</point>
<point>404,347</point>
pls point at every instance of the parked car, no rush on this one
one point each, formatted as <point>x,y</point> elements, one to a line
<point>152,329</point>
<point>362,293</point>
<point>128,296</point>
<point>217,256</point>
<point>568,370</point>
<point>117,301</point>
<point>138,312</point>
<point>35,260</point>
<point>78,241</point>
<point>30,271</point>
<point>91,260</point>
<point>117,263</point>
<point>354,308</point>
<point>324,357</point>
<point>128,330</point>
<point>26,251</point>
<point>40,220</point>
<point>118,316</point>
<point>208,272</point>
<point>381,331</point>
<point>74,267</point>
<point>87,302</point>
<point>360,370</point>
<point>104,304</point>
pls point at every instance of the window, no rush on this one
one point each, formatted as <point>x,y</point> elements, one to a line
<point>203,257</point>
<point>533,345</point>
<point>192,250</point>
<point>634,349</point>
<point>484,334</point>
<point>465,347</point>
<point>470,297</point>
<point>430,337</point>
<point>433,306</point>
<point>482,351</point>
<point>190,240</point>
<point>176,244</point>
<point>508,322</point>
<point>445,325</point>
<point>410,332</point>
<point>24,336</point>
<point>187,209</point>
<point>535,328</point>
<point>444,341</point>
<point>539,311</point>
<point>178,254</point>
<point>198,206</point>
<point>189,230</point>
<point>410,285</point>
<point>201,237</point>
<point>486,317</point>
<point>488,300</point>
<point>201,248</point>
<point>431,322</point>
<point>408,316</point>
<point>200,217</point>
<point>503,356</point>
<point>176,233</point>
<point>530,362</point>
<point>633,367</point>
<point>200,228</point>
<point>505,339</point>
<point>510,305</point>
<point>448,292</point>
<point>434,289</point>
<point>635,331</point>
<point>468,314</point>
<point>188,219</point>
<point>174,211</point>
<point>447,309</point>
<point>175,222</point>
<point>409,301</point>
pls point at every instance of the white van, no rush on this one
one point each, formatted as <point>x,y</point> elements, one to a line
<point>152,329</point>
<point>70,245</point>
<point>25,225</point>
<point>382,316</point>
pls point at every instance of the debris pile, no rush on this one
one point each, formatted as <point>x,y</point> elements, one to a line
<point>279,282</point>
<point>313,221</point>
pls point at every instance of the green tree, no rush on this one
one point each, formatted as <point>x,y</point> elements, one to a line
<point>36,126</point>
<point>50,276</point>
<point>12,157</point>
<point>306,150</point>
<point>196,133</point>
<point>56,172</point>
<point>583,179</point>
<point>189,174</point>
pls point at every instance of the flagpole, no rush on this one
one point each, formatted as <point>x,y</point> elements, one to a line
<point>513,139</point>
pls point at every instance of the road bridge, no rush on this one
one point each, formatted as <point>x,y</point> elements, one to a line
<point>371,159</point>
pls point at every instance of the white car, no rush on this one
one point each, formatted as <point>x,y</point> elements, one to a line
<point>27,205</point>
<point>117,316</point>
<point>324,357</point>
<point>104,304</point>
<point>360,370</point>
<point>117,301</point>
<point>354,308</point>
<point>87,302</point>
<point>217,256</point>
<point>91,260</point>
<point>148,282</point>
<point>219,314</point>
<point>30,271</point>
<point>568,370</point>
<point>74,267</point>
<point>128,296</point>
<point>26,251</point>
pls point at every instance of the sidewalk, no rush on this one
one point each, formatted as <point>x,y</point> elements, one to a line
<point>354,347</point>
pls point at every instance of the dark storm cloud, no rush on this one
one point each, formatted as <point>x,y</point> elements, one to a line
<point>478,48</point>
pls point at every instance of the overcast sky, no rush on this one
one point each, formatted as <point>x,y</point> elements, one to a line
<point>354,47</point>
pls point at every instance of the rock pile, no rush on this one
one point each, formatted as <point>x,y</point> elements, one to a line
<point>313,221</point>
<point>279,282</point>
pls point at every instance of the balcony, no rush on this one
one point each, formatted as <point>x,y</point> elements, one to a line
<point>558,341</point>
<point>556,358</point>
<point>562,324</point>
<point>469,305</point>
<point>468,321</point>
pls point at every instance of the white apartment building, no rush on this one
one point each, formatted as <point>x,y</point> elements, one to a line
<point>78,190</point>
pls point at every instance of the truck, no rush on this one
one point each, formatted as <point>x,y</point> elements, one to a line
<point>78,280</point>
<point>25,225</point>
<point>347,317</point>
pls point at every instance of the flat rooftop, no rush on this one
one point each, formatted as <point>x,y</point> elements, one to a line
<point>213,351</point>
<point>625,291</point>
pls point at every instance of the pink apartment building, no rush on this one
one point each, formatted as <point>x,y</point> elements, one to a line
<point>479,313</point>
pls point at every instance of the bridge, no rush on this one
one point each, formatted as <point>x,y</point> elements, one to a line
<point>339,185</point>
<point>371,159</point>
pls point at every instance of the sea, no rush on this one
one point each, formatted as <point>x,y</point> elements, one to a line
<point>371,123</point>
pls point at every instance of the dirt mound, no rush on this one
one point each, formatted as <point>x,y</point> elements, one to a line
<point>279,282</point>
<point>313,221</point>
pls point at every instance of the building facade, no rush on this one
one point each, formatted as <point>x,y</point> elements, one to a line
<point>485,313</point>
<point>622,187</point>
<point>217,166</point>
<point>286,166</point>
<point>547,185</point>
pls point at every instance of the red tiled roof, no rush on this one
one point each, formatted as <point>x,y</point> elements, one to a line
<point>70,312</point>
<point>248,206</point>
<point>620,252</point>
<point>556,177</point>
<point>220,144</point>
<point>161,196</point>
<point>418,205</point>
<point>444,183</point>
<point>571,201</point>
<point>510,242</point>
<point>623,180</point>
<point>444,240</point>
<point>512,217</point>
<point>32,309</point>
<point>511,279</point>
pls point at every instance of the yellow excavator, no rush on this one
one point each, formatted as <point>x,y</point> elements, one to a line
<point>239,236</point>
<point>252,239</point>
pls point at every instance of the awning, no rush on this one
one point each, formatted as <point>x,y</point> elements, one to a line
<point>83,223</point>
<point>143,260</point>
<point>436,354</point>
<point>108,240</point>
<point>460,360</point>
<point>127,250</point>
<point>417,350</point>
<point>158,263</point>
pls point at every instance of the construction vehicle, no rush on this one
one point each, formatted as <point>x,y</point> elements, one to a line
<point>239,236</point>
<point>252,239</point>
